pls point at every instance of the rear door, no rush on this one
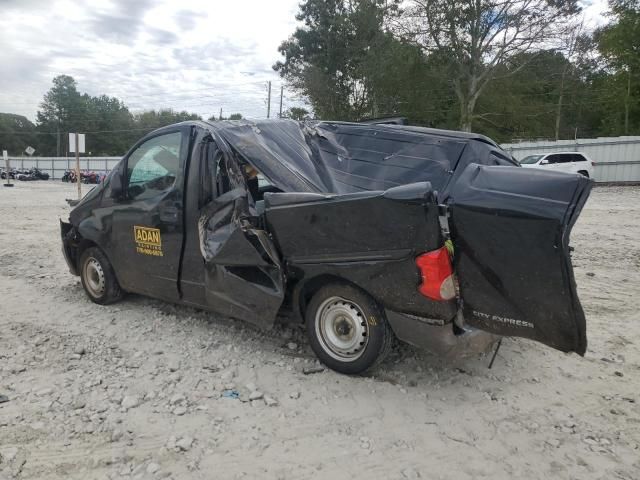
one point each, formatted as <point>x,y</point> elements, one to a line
<point>510,228</point>
<point>243,273</point>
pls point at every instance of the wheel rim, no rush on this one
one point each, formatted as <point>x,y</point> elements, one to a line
<point>94,277</point>
<point>342,329</point>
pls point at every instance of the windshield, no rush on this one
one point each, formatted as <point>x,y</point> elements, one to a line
<point>531,159</point>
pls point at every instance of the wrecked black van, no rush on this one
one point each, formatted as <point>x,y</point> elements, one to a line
<point>366,232</point>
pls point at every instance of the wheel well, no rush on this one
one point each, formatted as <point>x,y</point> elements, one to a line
<point>584,172</point>
<point>305,291</point>
<point>82,246</point>
<point>85,244</point>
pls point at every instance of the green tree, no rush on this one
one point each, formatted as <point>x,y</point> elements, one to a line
<point>324,59</point>
<point>62,110</point>
<point>16,133</point>
<point>619,44</point>
<point>296,113</point>
<point>524,103</point>
<point>152,119</point>
<point>109,122</point>
<point>149,120</point>
<point>482,35</point>
<point>233,116</point>
<point>404,82</point>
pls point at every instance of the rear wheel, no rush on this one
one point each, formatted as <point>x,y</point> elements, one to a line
<point>97,276</point>
<point>347,329</point>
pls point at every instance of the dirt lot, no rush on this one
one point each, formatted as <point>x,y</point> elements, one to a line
<point>135,389</point>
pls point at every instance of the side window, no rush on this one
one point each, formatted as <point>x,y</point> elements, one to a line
<point>551,159</point>
<point>565,158</point>
<point>578,158</point>
<point>153,167</point>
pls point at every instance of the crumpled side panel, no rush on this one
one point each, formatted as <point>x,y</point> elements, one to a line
<point>333,157</point>
<point>358,159</point>
<point>218,222</point>
<point>243,274</point>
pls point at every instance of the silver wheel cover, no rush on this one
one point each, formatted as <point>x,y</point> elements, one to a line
<point>342,329</point>
<point>94,277</point>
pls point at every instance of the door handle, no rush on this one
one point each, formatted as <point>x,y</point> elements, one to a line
<point>169,214</point>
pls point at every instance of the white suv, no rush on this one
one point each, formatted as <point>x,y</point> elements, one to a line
<point>570,162</point>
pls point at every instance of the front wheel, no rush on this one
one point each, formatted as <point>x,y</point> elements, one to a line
<point>98,278</point>
<point>347,329</point>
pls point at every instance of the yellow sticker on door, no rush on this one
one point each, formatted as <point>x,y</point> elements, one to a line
<point>148,241</point>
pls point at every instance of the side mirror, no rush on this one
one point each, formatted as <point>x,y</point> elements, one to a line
<point>544,162</point>
<point>115,184</point>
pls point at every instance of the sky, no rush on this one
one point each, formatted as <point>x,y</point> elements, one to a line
<point>195,55</point>
<point>198,55</point>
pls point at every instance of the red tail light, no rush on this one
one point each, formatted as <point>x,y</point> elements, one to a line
<point>437,275</point>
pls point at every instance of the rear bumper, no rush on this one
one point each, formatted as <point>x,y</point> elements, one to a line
<point>69,247</point>
<point>441,340</point>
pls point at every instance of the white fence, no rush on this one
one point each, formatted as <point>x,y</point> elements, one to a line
<point>617,159</point>
<point>56,166</point>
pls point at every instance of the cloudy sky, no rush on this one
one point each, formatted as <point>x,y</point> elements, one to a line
<point>197,55</point>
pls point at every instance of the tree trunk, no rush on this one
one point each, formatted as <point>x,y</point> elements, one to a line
<point>559,107</point>
<point>467,97</point>
<point>626,103</point>
<point>558,115</point>
<point>465,118</point>
<point>467,107</point>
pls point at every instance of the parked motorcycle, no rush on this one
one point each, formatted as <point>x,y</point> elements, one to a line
<point>89,177</point>
<point>32,174</point>
<point>39,174</point>
<point>13,173</point>
<point>69,176</point>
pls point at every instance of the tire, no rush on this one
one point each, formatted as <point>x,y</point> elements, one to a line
<point>98,278</point>
<point>347,329</point>
<point>584,172</point>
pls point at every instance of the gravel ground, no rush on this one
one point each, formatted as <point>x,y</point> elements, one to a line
<point>135,390</point>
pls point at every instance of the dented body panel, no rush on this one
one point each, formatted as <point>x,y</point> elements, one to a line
<point>370,239</point>
<point>352,203</point>
<point>511,230</point>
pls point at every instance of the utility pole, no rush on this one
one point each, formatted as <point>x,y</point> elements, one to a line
<point>57,139</point>
<point>281,93</point>
<point>269,100</point>
<point>220,117</point>
<point>78,176</point>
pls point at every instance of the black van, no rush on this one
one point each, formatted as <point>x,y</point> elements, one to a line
<point>365,232</point>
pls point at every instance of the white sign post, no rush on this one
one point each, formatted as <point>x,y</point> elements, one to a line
<point>5,155</point>
<point>76,144</point>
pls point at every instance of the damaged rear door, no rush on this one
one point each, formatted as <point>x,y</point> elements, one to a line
<point>243,274</point>
<point>511,230</point>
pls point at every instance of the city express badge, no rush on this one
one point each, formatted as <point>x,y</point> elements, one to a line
<point>148,241</point>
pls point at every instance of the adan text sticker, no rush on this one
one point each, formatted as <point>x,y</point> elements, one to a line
<point>148,241</point>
